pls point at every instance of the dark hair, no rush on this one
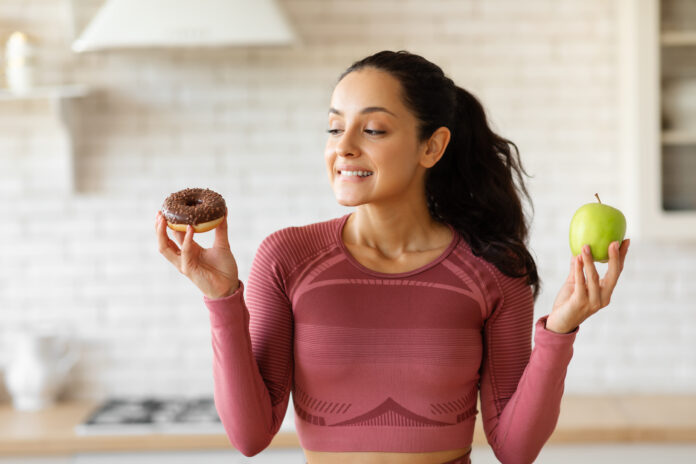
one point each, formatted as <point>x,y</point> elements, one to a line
<point>477,185</point>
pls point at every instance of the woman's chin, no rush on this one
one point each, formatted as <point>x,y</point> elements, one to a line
<point>348,201</point>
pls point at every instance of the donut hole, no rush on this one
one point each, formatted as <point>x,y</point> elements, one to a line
<point>191,202</point>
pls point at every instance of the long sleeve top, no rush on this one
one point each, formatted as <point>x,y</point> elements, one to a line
<point>383,361</point>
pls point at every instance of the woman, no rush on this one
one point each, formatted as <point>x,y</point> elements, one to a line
<point>388,322</point>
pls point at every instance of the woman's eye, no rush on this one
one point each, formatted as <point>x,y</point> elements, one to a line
<point>367,131</point>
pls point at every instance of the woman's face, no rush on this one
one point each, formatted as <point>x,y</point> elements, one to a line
<point>370,129</point>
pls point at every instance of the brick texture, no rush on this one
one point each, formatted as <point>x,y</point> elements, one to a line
<point>249,122</point>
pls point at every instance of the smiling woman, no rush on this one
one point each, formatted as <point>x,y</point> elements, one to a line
<point>386,324</point>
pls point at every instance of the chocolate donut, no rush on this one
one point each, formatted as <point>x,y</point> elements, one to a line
<point>204,209</point>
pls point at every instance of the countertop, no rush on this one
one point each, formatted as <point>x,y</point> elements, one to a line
<point>583,419</point>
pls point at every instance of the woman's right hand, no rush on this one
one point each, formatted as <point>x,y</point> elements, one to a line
<point>212,270</point>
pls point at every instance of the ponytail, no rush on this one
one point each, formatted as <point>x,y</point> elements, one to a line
<point>477,185</point>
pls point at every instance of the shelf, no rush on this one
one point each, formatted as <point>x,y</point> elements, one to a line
<point>61,102</point>
<point>39,93</point>
<point>679,137</point>
<point>678,38</point>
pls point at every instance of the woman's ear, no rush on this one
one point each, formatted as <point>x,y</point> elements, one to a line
<point>435,147</point>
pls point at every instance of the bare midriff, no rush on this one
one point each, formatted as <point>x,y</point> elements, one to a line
<point>353,457</point>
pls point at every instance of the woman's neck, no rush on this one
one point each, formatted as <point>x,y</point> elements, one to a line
<point>395,231</point>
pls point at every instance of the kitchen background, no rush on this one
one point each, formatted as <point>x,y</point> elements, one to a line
<point>249,122</point>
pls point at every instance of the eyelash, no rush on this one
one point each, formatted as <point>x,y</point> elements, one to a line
<point>368,131</point>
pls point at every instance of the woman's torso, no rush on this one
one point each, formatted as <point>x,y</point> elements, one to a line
<point>407,262</point>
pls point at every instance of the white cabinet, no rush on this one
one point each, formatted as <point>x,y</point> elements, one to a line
<point>657,58</point>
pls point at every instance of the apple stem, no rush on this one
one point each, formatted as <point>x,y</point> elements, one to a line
<point>597,195</point>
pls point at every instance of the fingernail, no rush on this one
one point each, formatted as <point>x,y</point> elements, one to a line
<point>586,249</point>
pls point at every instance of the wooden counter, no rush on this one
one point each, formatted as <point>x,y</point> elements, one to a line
<point>584,419</point>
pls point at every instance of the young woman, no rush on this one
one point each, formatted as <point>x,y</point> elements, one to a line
<point>387,323</point>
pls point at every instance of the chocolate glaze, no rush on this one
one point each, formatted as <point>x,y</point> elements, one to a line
<point>193,206</point>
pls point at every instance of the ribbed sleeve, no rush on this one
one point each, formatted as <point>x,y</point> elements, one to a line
<point>252,353</point>
<point>362,343</point>
<point>521,388</point>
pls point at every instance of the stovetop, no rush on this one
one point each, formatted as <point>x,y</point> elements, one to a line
<point>146,415</point>
<point>153,415</point>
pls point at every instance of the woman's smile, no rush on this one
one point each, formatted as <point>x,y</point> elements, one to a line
<point>354,176</point>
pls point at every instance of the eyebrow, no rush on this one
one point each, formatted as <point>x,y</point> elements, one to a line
<point>369,109</point>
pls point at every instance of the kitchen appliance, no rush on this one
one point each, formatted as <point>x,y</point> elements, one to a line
<point>184,23</point>
<point>152,415</point>
<point>166,415</point>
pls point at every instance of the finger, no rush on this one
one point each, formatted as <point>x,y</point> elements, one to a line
<point>221,238</point>
<point>580,287</point>
<point>187,249</point>
<point>179,235</point>
<point>593,288</point>
<point>613,272</point>
<point>166,246</point>
<point>624,251</point>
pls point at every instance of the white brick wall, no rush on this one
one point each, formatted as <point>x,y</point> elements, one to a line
<point>249,123</point>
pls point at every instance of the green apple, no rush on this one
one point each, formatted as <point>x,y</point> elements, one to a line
<point>597,225</point>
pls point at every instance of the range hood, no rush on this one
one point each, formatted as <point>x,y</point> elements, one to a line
<point>184,23</point>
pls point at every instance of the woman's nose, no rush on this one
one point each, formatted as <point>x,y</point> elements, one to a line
<point>346,146</point>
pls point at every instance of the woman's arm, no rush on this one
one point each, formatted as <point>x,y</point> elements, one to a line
<point>521,388</point>
<point>253,355</point>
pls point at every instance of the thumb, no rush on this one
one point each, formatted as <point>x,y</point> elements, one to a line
<point>221,238</point>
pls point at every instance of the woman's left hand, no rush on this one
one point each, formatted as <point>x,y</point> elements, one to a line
<point>584,293</point>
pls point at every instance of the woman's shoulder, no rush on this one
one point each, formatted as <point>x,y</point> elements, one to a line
<point>296,242</point>
<point>317,233</point>
<point>495,282</point>
<point>481,266</point>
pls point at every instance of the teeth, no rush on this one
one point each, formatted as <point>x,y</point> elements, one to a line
<point>356,173</point>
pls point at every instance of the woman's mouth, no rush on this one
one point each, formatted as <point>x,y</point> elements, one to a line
<point>354,176</point>
<point>355,173</point>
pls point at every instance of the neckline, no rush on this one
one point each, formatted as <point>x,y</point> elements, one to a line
<point>367,270</point>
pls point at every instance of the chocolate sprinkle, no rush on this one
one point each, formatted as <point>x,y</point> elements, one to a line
<point>193,206</point>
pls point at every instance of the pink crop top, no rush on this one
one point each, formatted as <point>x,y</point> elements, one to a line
<point>383,362</point>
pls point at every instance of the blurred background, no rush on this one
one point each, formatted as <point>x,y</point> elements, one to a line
<point>599,96</point>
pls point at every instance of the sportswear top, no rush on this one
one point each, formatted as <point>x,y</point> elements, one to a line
<point>383,361</point>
